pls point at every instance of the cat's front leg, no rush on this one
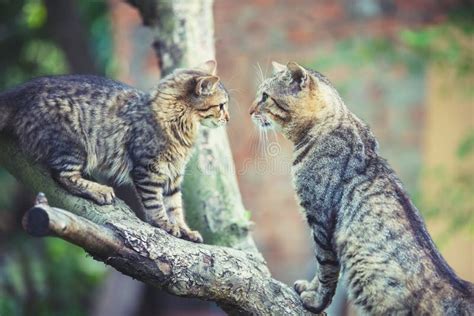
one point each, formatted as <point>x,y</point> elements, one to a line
<point>174,206</point>
<point>304,285</point>
<point>149,186</point>
<point>317,294</point>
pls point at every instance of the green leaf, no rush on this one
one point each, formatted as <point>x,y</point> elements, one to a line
<point>34,14</point>
<point>466,147</point>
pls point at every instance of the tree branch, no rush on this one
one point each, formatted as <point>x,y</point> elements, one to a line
<point>238,281</point>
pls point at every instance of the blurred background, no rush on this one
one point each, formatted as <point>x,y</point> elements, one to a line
<point>404,66</point>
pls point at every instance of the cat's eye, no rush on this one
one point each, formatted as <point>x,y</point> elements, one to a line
<point>264,97</point>
<point>221,106</point>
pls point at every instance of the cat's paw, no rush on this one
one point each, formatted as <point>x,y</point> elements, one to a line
<point>173,229</point>
<point>314,302</point>
<point>101,194</point>
<point>167,226</point>
<point>300,286</point>
<point>191,235</point>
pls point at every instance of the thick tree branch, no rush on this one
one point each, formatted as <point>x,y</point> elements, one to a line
<point>238,281</point>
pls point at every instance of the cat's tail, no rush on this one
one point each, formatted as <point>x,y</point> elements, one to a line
<point>6,110</point>
<point>5,113</point>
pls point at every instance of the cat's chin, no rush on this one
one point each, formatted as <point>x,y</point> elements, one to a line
<point>212,124</point>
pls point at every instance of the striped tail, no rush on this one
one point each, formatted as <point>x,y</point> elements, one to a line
<point>4,116</point>
<point>5,112</point>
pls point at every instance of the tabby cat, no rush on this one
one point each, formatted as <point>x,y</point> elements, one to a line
<point>80,125</point>
<point>362,219</point>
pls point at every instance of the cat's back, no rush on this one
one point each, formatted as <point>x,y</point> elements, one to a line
<point>77,84</point>
<point>90,113</point>
<point>74,104</point>
<point>75,89</point>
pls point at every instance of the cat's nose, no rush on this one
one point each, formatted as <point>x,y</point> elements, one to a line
<point>226,116</point>
<point>253,108</point>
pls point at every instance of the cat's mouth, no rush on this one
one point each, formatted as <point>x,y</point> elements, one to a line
<point>261,121</point>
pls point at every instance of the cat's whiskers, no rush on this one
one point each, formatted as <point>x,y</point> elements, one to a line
<point>259,142</point>
<point>274,134</point>
<point>257,75</point>
<point>262,77</point>
<point>236,105</point>
<point>266,67</point>
<point>234,90</point>
<point>262,143</point>
<point>254,142</point>
<point>266,142</point>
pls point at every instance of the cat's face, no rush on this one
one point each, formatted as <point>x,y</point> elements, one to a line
<point>211,106</point>
<point>204,96</point>
<point>291,98</point>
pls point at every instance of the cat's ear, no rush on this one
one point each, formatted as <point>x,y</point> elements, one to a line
<point>298,73</point>
<point>277,67</point>
<point>206,85</point>
<point>209,67</point>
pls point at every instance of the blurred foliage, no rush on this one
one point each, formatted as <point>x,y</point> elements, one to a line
<point>46,277</point>
<point>43,276</point>
<point>441,44</point>
<point>21,31</point>
<point>453,199</point>
<point>27,50</point>
<point>466,148</point>
<point>94,15</point>
<point>449,42</point>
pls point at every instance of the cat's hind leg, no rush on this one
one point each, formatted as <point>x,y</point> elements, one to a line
<point>67,169</point>
<point>77,185</point>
